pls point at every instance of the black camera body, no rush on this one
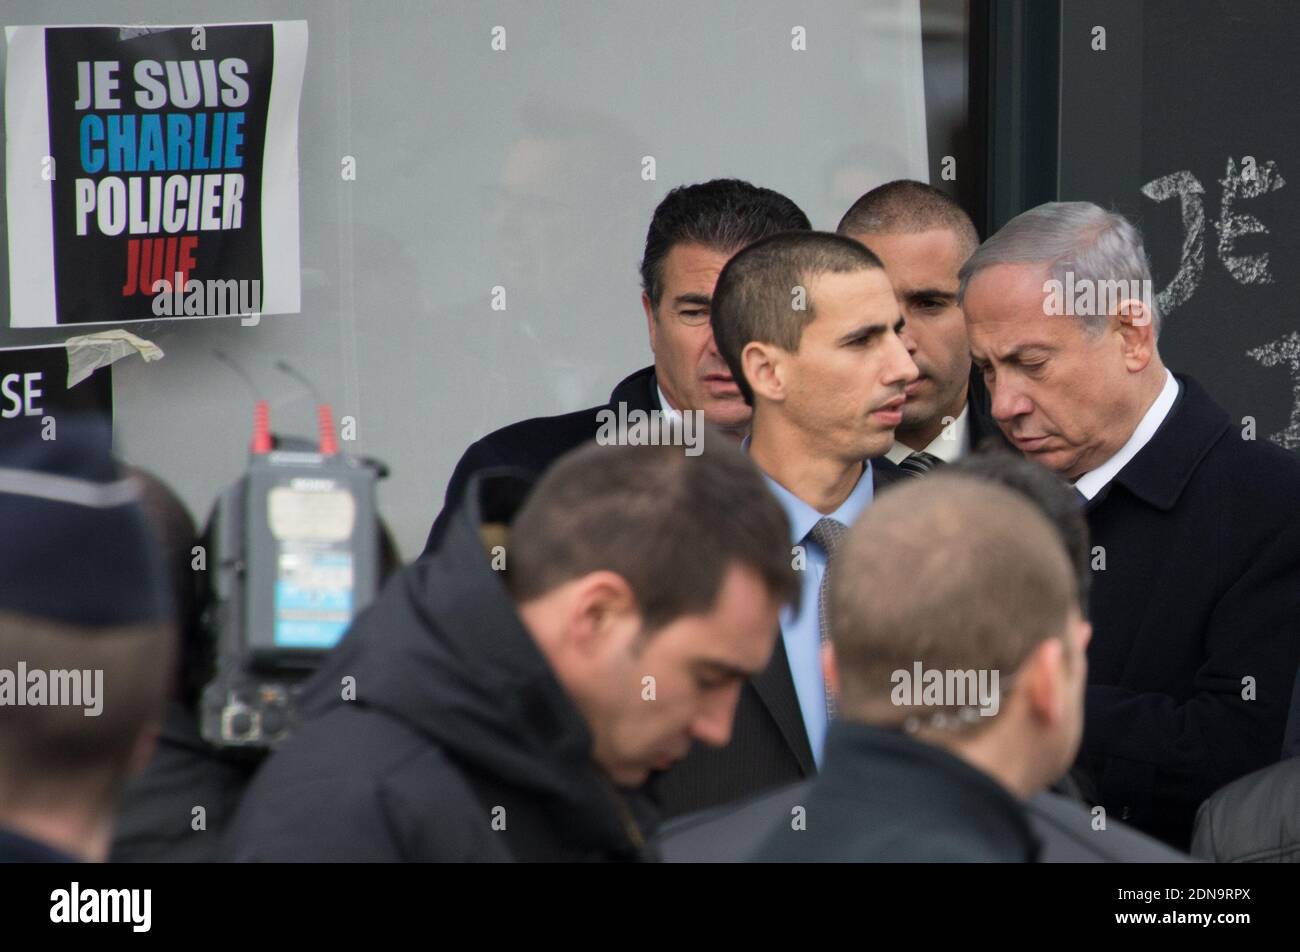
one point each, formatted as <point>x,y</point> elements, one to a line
<point>294,556</point>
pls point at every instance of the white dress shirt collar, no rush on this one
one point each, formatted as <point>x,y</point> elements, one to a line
<point>1091,483</point>
<point>670,412</point>
<point>950,445</point>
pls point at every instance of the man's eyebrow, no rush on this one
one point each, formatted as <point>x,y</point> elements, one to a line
<point>918,294</point>
<point>722,667</point>
<point>699,300</point>
<point>1017,352</point>
<point>869,332</point>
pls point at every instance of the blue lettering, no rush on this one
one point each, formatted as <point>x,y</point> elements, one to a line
<point>92,130</point>
<point>152,157</point>
<point>178,141</point>
<point>234,139</point>
<point>200,141</point>
<point>121,143</point>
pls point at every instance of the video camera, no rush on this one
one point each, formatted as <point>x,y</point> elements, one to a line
<point>295,555</point>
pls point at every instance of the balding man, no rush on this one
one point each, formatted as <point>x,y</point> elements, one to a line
<point>955,707</point>
<point>1067,827</point>
<point>1196,541</point>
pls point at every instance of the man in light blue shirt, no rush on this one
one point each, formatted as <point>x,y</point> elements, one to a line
<point>827,386</point>
<point>809,326</point>
<point>800,630</point>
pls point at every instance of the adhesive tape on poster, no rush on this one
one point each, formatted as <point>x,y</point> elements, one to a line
<point>88,353</point>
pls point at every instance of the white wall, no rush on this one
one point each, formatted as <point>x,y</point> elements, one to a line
<point>520,168</point>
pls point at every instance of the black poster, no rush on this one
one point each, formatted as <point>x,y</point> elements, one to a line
<point>165,177</point>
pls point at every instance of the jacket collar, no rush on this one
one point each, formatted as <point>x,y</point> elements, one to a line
<point>1161,470</point>
<point>774,686</point>
<point>468,586</point>
<point>867,762</point>
<point>639,390</point>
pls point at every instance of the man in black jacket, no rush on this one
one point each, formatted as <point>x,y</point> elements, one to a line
<point>695,229</point>
<point>501,694</point>
<point>955,707</point>
<point>1068,830</point>
<point>808,325</point>
<point>923,237</point>
<point>1195,551</point>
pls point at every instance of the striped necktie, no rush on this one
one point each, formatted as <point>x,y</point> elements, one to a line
<point>919,463</point>
<point>827,533</point>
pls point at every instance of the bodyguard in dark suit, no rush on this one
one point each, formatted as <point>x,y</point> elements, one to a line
<point>954,707</point>
<point>1067,829</point>
<point>808,324</point>
<point>695,229</point>
<point>1195,531</point>
<point>923,237</point>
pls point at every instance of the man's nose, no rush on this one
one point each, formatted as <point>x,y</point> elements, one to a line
<point>711,347</point>
<point>1008,401</point>
<point>901,368</point>
<point>712,725</point>
<point>908,340</point>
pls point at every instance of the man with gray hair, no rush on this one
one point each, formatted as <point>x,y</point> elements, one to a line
<point>1195,559</point>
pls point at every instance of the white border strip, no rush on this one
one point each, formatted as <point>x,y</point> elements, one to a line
<point>28,195</point>
<point>281,263</point>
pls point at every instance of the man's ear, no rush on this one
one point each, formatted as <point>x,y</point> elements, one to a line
<point>1137,331</point>
<point>652,325</point>
<point>602,607</point>
<point>1042,679</point>
<point>1084,628</point>
<point>764,369</point>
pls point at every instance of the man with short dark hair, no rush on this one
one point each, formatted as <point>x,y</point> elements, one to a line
<point>808,324</point>
<point>956,707</point>
<point>695,229</point>
<point>923,237</point>
<point>501,693</point>
<point>1194,597</point>
<point>86,642</point>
